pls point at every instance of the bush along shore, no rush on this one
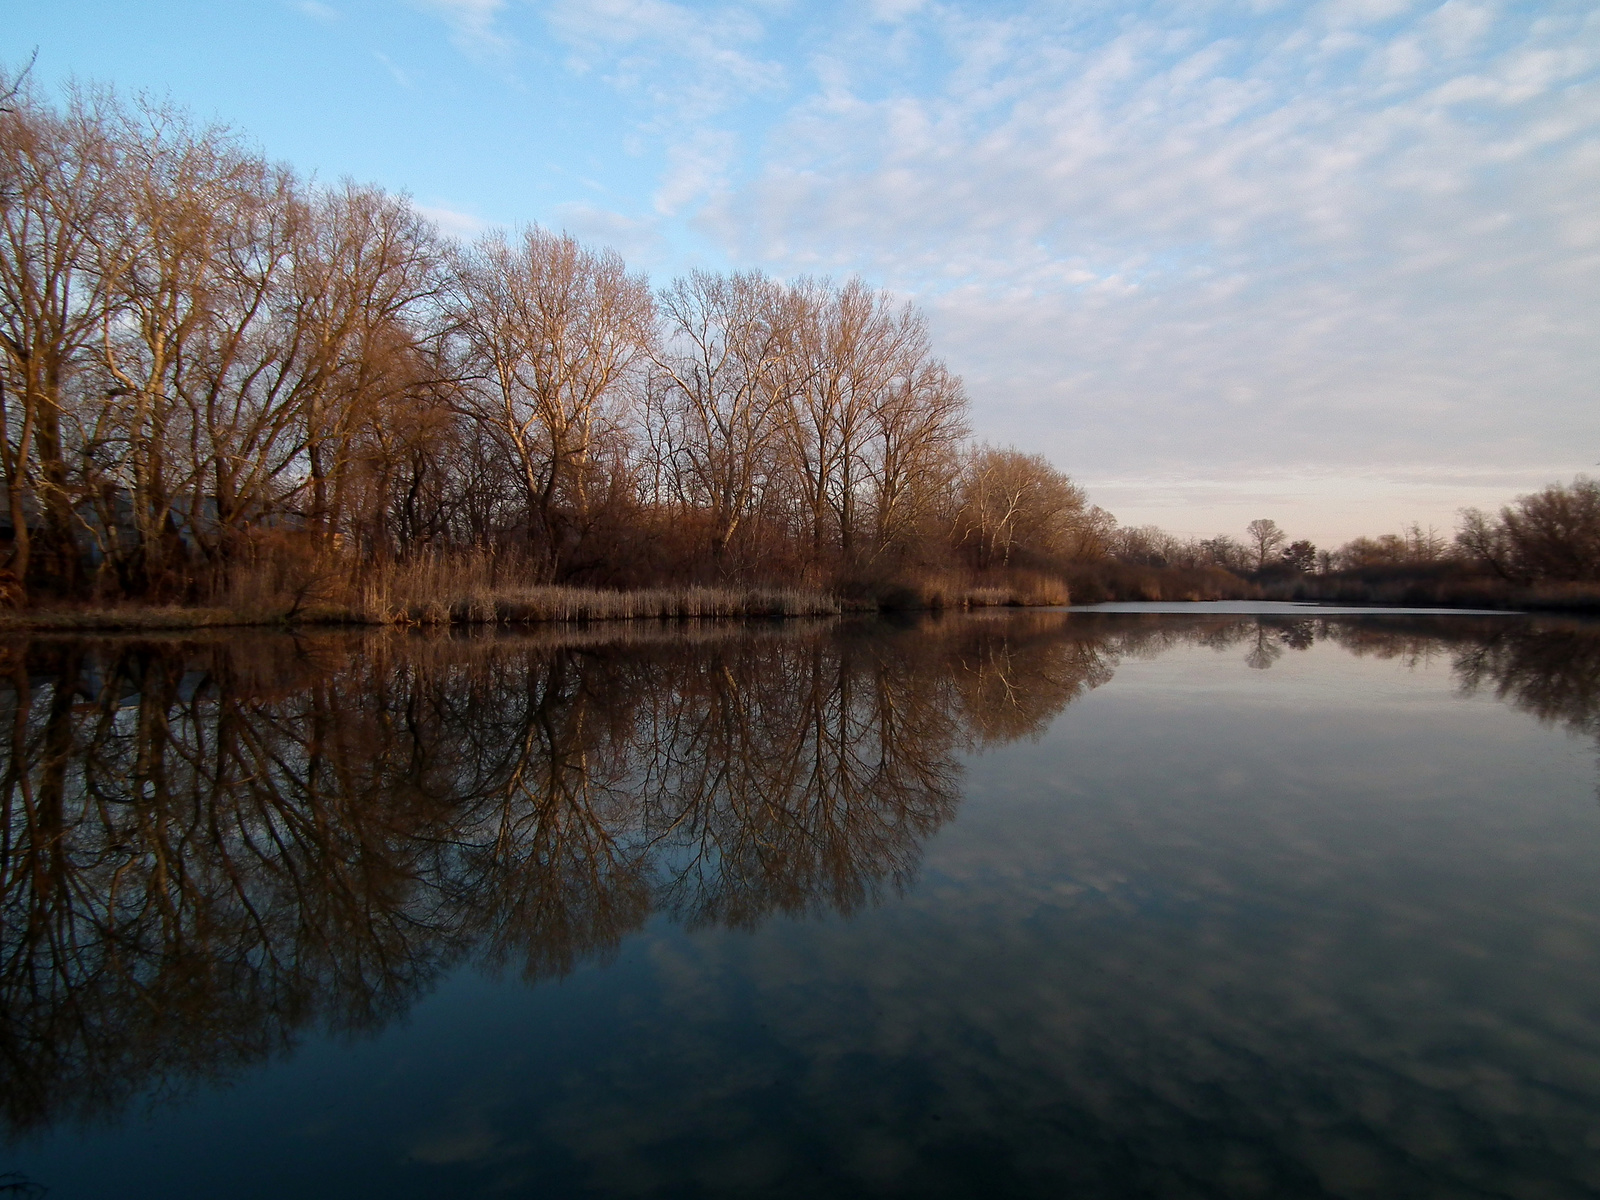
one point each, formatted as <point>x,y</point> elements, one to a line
<point>1424,588</point>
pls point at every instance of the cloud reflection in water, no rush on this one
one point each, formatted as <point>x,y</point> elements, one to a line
<point>1166,950</point>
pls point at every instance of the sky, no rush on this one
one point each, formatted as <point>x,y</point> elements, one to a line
<point>1337,264</point>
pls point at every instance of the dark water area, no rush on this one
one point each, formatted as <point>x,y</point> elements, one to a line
<point>1003,904</point>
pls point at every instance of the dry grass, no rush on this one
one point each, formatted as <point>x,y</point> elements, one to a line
<point>426,592</point>
<point>512,607</point>
<point>1095,583</point>
<point>566,604</point>
<point>480,590</point>
<point>948,590</point>
<point>1031,592</point>
<point>477,589</point>
<point>470,591</point>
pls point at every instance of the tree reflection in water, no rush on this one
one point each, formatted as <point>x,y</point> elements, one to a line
<point>211,844</point>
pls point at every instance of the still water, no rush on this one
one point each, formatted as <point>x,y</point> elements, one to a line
<point>1033,904</point>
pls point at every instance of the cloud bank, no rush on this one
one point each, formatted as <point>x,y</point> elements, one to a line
<point>1177,246</point>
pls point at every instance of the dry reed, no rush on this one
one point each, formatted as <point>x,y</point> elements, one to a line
<point>481,590</point>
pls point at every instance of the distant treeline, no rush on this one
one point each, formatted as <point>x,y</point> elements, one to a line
<point>1541,550</point>
<point>212,367</point>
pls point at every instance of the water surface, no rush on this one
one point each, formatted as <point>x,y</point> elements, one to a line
<point>1098,904</point>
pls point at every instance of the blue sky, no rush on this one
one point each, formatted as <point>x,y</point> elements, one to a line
<point>1338,264</point>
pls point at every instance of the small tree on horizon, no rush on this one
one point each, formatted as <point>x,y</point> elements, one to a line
<point>1263,537</point>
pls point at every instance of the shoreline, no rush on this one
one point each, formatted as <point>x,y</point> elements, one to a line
<point>640,607</point>
<point>525,607</point>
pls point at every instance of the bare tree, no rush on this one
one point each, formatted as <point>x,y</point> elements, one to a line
<point>203,237</point>
<point>1413,546</point>
<point>913,454</point>
<point>717,409</point>
<point>1222,551</point>
<point>364,266</point>
<point>1551,534</point>
<point>1264,538</point>
<point>1013,503</point>
<point>846,347</point>
<point>59,180</point>
<point>554,330</point>
<point>13,83</point>
<point>204,359</point>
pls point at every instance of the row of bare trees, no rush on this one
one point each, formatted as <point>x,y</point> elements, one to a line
<point>193,343</point>
<point>205,359</point>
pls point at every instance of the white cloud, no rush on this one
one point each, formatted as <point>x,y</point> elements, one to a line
<point>454,224</point>
<point>318,11</point>
<point>1333,242</point>
<point>630,237</point>
<point>696,168</point>
<point>1458,25</point>
<point>474,27</point>
<point>1355,13</point>
<point>686,61</point>
<point>1121,230</point>
<point>399,76</point>
<point>896,10</point>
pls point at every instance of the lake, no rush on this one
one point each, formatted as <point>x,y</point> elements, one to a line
<point>1131,903</point>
